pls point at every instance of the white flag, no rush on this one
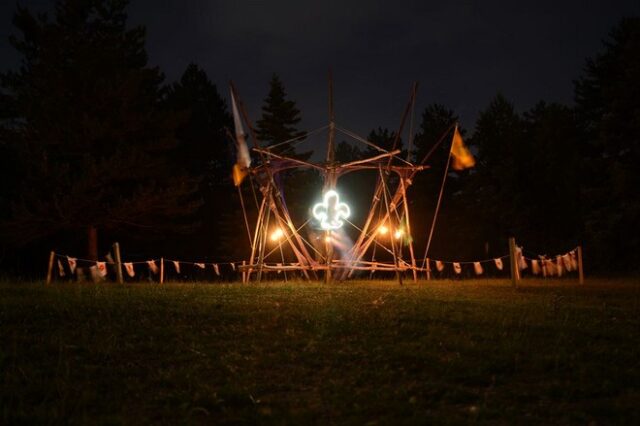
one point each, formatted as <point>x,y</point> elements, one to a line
<point>152,266</point>
<point>457,268</point>
<point>551,267</point>
<point>566,260</point>
<point>60,268</point>
<point>559,265</point>
<point>477,267</point>
<point>129,268</point>
<point>574,262</point>
<point>522,263</point>
<point>499,264</point>
<point>200,265</point>
<point>216,269</point>
<point>102,268</point>
<point>535,267</point>
<point>176,265</point>
<point>439,265</point>
<point>233,266</point>
<point>73,262</point>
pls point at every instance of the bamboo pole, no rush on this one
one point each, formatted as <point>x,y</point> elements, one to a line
<point>580,266</point>
<point>162,270</point>
<point>263,241</point>
<point>52,256</point>
<point>278,197</point>
<point>256,235</point>
<point>391,236</point>
<point>513,261</point>
<point>116,253</point>
<point>330,179</point>
<point>406,214</point>
<point>284,224</point>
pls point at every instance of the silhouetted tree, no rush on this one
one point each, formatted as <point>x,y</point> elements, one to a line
<point>608,109</point>
<point>346,152</point>
<point>204,151</point>
<point>383,138</point>
<point>89,134</point>
<point>550,185</point>
<point>203,148</point>
<point>436,120</point>
<point>495,189</point>
<point>279,120</point>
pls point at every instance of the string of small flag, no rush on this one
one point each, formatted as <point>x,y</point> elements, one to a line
<point>547,266</point>
<point>152,265</point>
<point>478,269</point>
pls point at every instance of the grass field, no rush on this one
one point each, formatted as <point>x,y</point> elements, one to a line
<point>360,353</point>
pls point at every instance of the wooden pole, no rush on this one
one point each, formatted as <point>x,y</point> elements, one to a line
<point>52,256</point>
<point>409,236</point>
<point>580,266</point>
<point>278,197</point>
<point>396,261</point>
<point>244,272</point>
<point>428,269</point>
<point>330,179</point>
<point>513,261</point>
<point>256,235</point>
<point>263,240</point>
<point>116,253</point>
<point>161,270</point>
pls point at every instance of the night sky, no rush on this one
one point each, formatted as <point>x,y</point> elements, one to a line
<point>461,52</point>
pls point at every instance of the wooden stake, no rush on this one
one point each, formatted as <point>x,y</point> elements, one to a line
<point>244,272</point>
<point>52,256</point>
<point>428,270</point>
<point>116,253</point>
<point>580,267</point>
<point>161,270</point>
<point>513,261</point>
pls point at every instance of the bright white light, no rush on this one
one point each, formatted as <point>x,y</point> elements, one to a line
<point>398,234</point>
<point>277,234</point>
<point>382,230</point>
<point>331,211</point>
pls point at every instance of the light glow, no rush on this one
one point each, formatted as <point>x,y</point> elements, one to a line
<point>398,234</point>
<point>331,211</point>
<point>383,230</point>
<point>277,234</point>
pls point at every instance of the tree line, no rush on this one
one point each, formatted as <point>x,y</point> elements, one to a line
<point>96,147</point>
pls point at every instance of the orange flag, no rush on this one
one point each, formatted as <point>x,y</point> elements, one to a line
<point>460,154</point>
<point>243,160</point>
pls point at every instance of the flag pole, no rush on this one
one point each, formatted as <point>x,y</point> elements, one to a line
<point>435,214</point>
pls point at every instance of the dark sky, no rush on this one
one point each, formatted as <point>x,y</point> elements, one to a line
<point>461,52</point>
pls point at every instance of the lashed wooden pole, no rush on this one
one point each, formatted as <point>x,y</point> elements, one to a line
<point>330,178</point>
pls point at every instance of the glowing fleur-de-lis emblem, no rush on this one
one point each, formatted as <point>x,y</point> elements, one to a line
<point>331,212</point>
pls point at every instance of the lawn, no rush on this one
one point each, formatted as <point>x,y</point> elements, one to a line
<point>355,352</point>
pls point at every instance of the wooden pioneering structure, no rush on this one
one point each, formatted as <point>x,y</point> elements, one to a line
<point>388,211</point>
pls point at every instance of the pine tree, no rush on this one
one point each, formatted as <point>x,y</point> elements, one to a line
<point>88,131</point>
<point>280,116</point>
<point>608,110</point>
<point>382,138</point>
<point>204,150</point>
<point>436,121</point>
